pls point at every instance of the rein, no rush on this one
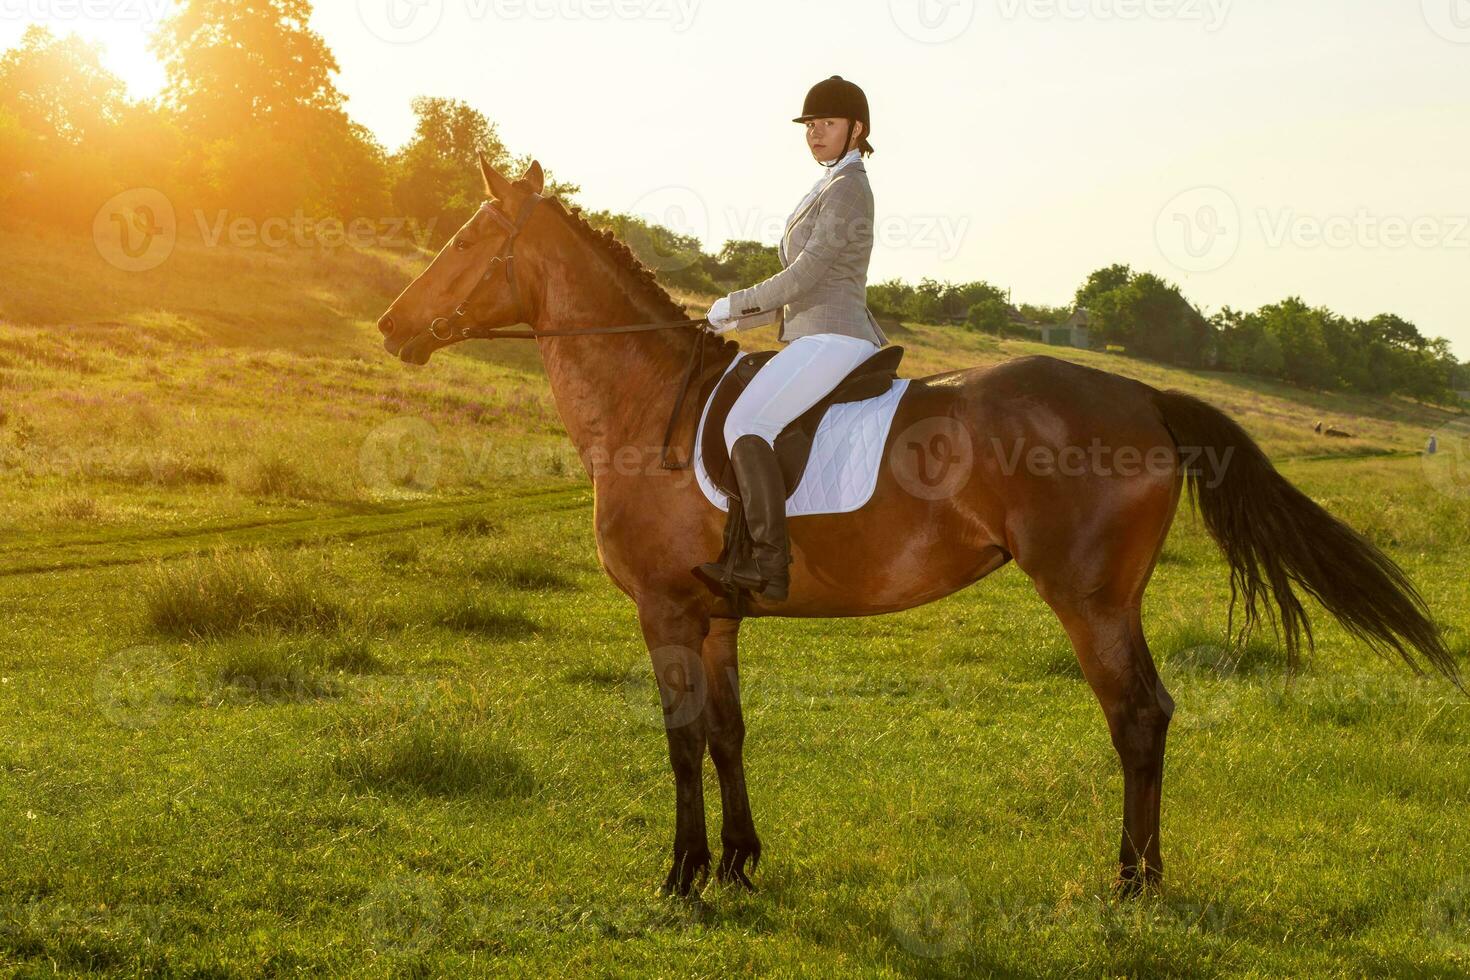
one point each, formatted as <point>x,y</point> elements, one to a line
<point>694,367</point>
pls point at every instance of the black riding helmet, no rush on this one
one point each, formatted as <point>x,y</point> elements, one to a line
<point>837,98</point>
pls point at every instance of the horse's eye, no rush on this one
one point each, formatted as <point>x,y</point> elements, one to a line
<point>460,244</point>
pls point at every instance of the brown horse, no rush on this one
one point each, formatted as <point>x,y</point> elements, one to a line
<point>1071,472</point>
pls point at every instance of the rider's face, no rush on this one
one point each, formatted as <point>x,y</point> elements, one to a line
<point>824,138</point>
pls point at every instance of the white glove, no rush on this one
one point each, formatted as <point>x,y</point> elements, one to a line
<point>719,316</point>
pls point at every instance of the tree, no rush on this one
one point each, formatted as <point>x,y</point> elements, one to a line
<point>1236,334</point>
<point>16,153</point>
<point>57,89</point>
<point>1147,315</point>
<point>1042,313</point>
<point>234,66</point>
<point>251,86</point>
<point>890,298</point>
<point>59,116</point>
<point>675,258</point>
<point>1299,331</point>
<point>926,304</point>
<point>435,177</point>
<point>744,263</point>
<point>990,315</point>
<point>933,301</point>
<point>1394,331</point>
<point>1265,356</point>
<point>1103,281</point>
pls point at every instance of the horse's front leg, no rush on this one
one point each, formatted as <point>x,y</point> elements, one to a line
<point>674,629</point>
<point>726,732</point>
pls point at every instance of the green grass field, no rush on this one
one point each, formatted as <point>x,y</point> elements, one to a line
<point>277,699</point>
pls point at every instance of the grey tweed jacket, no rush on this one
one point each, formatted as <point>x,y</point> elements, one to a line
<point>823,283</point>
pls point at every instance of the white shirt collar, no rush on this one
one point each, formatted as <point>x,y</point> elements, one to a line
<point>852,156</point>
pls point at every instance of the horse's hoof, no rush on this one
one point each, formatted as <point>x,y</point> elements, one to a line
<point>732,865</point>
<point>690,872</point>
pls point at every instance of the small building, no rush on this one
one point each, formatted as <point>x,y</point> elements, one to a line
<point>1073,332</point>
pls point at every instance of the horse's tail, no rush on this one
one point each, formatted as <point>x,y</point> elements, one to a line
<point>1274,536</point>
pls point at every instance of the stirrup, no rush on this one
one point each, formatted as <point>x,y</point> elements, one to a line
<point>724,581</point>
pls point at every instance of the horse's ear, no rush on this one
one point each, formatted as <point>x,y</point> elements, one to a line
<point>496,186</point>
<point>534,177</point>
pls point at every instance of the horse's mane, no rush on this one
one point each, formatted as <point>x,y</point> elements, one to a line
<point>639,279</point>
<point>639,276</point>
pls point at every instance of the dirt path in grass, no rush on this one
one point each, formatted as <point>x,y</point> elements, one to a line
<point>36,554</point>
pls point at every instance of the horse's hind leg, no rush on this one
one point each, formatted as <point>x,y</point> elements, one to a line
<point>725,728</point>
<point>1115,659</point>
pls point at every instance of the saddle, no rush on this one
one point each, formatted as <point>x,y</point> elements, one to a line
<point>793,446</point>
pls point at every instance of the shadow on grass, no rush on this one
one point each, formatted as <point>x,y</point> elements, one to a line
<point>598,676</point>
<point>281,668</point>
<point>439,753</point>
<point>1199,651</point>
<point>527,575</point>
<point>471,614</point>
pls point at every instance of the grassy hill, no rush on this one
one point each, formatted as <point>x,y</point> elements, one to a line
<point>231,380</point>
<point>393,720</point>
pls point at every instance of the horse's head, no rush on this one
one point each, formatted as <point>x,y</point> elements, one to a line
<point>470,281</point>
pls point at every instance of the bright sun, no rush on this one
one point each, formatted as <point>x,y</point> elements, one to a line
<point>123,37</point>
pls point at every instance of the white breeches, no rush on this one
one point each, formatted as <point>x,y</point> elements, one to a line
<point>799,376</point>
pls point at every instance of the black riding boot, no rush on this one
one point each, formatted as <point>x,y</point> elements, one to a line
<point>763,497</point>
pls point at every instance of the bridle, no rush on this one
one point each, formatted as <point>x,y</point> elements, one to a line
<point>506,260</point>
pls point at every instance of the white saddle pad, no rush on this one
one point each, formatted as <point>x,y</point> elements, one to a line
<point>846,453</point>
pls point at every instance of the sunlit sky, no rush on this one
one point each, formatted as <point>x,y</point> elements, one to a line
<point>1247,150</point>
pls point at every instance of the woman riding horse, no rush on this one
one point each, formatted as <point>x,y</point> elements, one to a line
<point>820,299</point>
